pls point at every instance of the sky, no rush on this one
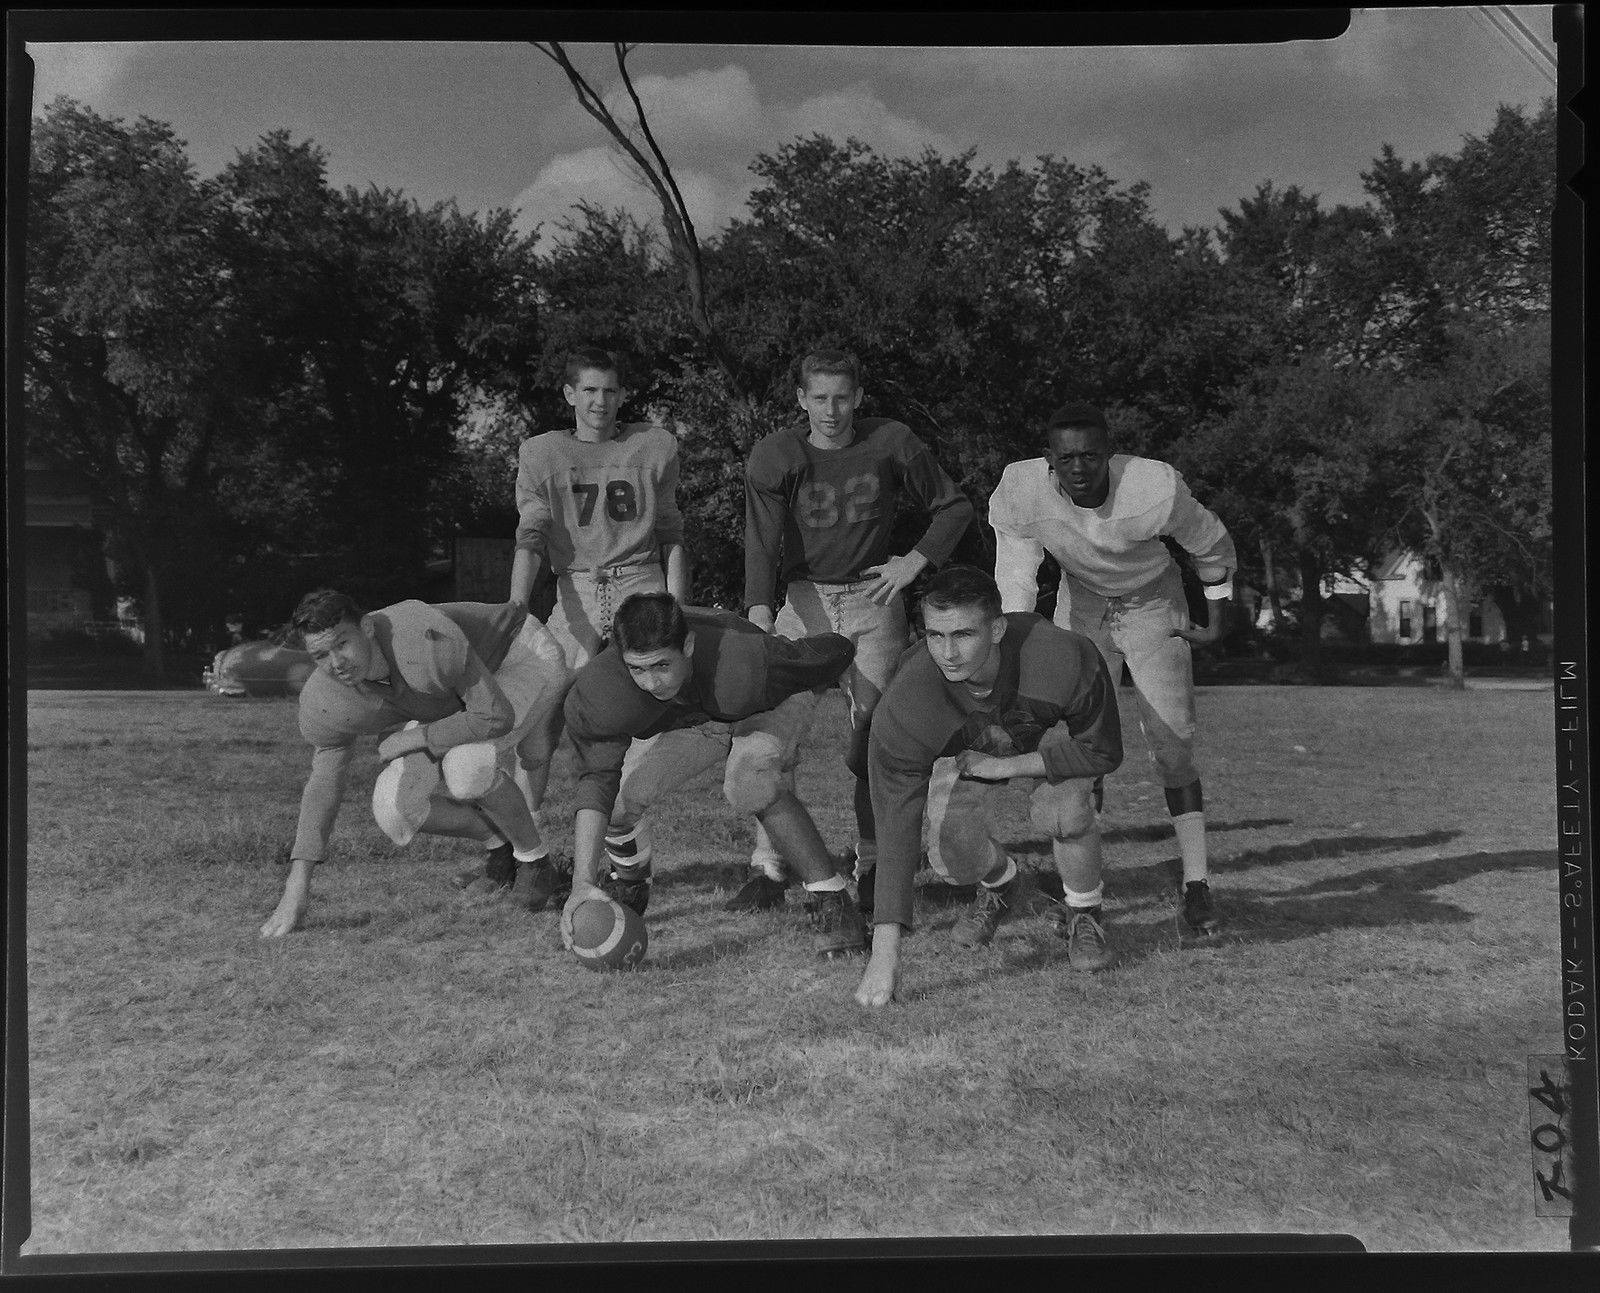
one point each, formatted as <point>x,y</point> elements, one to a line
<point>494,124</point>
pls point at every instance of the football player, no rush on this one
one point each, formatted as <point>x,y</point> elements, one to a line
<point>1102,516</point>
<point>822,495</point>
<point>986,705</point>
<point>677,692</point>
<point>597,505</point>
<point>460,694</point>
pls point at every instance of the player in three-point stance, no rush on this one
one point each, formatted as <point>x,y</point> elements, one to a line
<point>678,691</point>
<point>824,495</point>
<point>1101,516</point>
<point>597,505</point>
<point>459,693</point>
<point>986,705</point>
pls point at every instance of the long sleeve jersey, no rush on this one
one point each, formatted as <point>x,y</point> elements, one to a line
<point>583,505</point>
<point>441,672</point>
<point>1112,549</point>
<point>737,672</point>
<point>830,512</point>
<point>1052,695</point>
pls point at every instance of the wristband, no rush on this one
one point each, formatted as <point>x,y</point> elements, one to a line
<point>1220,592</point>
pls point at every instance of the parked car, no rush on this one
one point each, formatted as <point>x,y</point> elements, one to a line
<point>260,668</point>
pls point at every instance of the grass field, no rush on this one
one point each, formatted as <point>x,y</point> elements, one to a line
<point>1349,1056</point>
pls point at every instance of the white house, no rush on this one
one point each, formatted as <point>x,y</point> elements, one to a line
<point>1409,607</point>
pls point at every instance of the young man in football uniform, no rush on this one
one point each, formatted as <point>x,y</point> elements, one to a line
<point>597,505</point>
<point>823,495</point>
<point>987,705</point>
<point>677,692</point>
<point>459,694</point>
<point>1102,517</point>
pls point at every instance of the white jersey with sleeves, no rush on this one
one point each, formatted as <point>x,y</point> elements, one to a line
<point>1112,549</point>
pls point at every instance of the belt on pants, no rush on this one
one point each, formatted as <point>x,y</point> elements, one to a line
<point>604,574</point>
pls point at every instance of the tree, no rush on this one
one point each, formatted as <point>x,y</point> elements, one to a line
<point>130,327</point>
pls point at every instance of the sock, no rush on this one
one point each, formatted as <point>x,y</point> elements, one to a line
<point>767,862</point>
<point>866,856</point>
<point>493,841</point>
<point>531,855</point>
<point>1190,828</point>
<point>629,848</point>
<point>1006,876</point>
<point>632,872</point>
<point>1086,901</point>
<point>832,884</point>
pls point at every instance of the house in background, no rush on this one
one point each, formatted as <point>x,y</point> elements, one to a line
<point>1400,603</point>
<point>65,571</point>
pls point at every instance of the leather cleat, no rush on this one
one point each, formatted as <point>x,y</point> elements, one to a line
<point>839,928</point>
<point>759,893</point>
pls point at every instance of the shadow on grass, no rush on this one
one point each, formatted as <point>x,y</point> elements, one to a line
<point>1153,834</point>
<point>721,947</point>
<point>1374,898</point>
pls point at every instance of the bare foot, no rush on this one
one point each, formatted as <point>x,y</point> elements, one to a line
<point>291,907</point>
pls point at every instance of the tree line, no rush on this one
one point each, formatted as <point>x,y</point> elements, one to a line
<point>272,382</point>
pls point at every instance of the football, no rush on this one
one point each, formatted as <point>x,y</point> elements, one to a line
<point>608,936</point>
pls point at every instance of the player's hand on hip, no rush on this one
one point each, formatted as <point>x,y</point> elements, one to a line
<point>582,892</point>
<point>1215,628</point>
<point>882,975</point>
<point>894,576</point>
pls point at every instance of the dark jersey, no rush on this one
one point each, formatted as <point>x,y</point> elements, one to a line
<point>737,672</point>
<point>831,511</point>
<point>1052,695</point>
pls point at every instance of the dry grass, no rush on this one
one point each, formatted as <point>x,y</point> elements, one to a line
<point>1347,1057</point>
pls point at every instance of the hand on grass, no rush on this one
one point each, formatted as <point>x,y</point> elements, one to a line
<point>292,906</point>
<point>894,576</point>
<point>581,893</point>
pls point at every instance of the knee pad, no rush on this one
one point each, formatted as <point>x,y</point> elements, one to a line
<point>403,795</point>
<point>470,770</point>
<point>755,774</point>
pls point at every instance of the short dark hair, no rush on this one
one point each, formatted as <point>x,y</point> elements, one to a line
<point>584,357</point>
<point>323,609</point>
<point>649,622</point>
<point>1078,413</point>
<point>957,586</point>
<point>839,363</point>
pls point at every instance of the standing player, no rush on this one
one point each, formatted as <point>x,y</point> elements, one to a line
<point>989,699</point>
<point>598,506</point>
<point>459,692</point>
<point>1101,516</point>
<point>824,494</point>
<point>677,692</point>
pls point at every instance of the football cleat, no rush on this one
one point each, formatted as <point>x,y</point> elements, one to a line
<point>840,931</point>
<point>633,893</point>
<point>980,920</point>
<point>1086,942</point>
<point>1198,909</point>
<point>759,893</point>
<point>536,883</point>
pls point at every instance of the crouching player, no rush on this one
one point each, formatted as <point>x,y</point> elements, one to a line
<point>677,692</point>
<point>1102,516</point>
<point>985,700</point>
<point>460,693</point>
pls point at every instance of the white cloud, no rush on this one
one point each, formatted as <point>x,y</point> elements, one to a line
<point>856,112</point>
<point>697,109</point>
<point>91,73</point>
<point>605,179</point>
